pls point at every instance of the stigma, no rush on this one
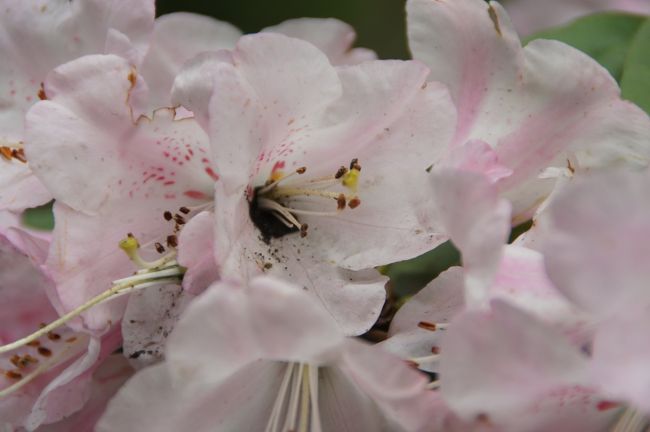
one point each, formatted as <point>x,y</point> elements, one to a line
<point>277,206</point>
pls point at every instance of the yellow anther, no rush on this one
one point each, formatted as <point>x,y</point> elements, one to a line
<point>351,179</point>
<point>129,245</point>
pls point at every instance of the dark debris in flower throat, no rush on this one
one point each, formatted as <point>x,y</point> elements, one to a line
<point>265,221</point>
<point>270,207</point>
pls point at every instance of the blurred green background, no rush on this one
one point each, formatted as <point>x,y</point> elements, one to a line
<point>380,24</point>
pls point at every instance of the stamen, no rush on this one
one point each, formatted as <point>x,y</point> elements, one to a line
<point>120,287</point>
<point>130,246</point>
<point>274,419</point>
<point>66,353</point>
<point>290,421</point>
<point>273,205</point>
<point>631,421</point>
<point>425,359</point>
<point>425,325</point>
<point>316,425</point>
<point>271,184</point>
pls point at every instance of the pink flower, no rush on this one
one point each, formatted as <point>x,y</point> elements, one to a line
<point>596,244</point>
<point>535,110</point>
<point>320,167</point>
<point>45,380</point>
<point>267,357</point>
<point>35,37</point>
<point>132,172</point>
<point>530,16</point>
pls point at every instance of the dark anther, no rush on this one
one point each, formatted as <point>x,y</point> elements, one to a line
<point>167,215</point>
<point>354,164</point>
<point>172,241</point>
<point>303,230</point>
<point>340,202</point>
<point>45,352</point>
<point>184,210</point>
<point>159,248</point>
<point>301,170</point>
<point>341,172</point>
<point>354,203</point>
<point>179,219</point>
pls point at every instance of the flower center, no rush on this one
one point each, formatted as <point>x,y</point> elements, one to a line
<point>277,206</point>
<point>296,406</point>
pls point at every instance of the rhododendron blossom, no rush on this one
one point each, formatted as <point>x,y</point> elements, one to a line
<point>542,106</point>
<point>280,232</point>
<point>45,380</point>
<point>50,33</point>
<point>269,357</point>
<point>301,149</point>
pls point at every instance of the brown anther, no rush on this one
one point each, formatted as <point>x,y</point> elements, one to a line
<point>71,339</point>
<point>341,172</point>
<point>5,152</point>
<point>303,230</point>
<point>482,418</point>
<point>41,93</point>
<point>15,360</point>
<point>130,235</point>
<point>13,375</point>
<point>179,219</point>
<point>19,154</point>
<point>427,326</point>
<point>27,359</point>
<point>435,350</point>
<point>159,248</point>
<point>268,265</point>
<point>354,164</point>
<point>167,215</point>
<point>53,336</point>
<point>45,352</point>
<point>184,210</point>
<point>301,170</point>
<point>172,241</point>
<point>354,203</point>
<point>340,202</point>
<point>33,343</point>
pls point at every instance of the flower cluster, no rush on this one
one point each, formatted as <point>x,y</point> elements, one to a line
<point>224,205</point>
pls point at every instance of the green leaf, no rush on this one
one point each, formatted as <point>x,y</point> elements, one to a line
<point>39,218</point>
<point>635,83</point>
<point>408,277</point>
<point>606,37</point>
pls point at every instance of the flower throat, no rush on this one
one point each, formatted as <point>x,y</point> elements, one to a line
<point>272,205</point>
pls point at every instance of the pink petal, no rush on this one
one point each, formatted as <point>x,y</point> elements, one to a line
<point>267,319</point>
<point>530,16</point>
<point>596,242</point>
<point>107,379</point>
<point>503,360</point>
<point>196,253</point>
<point>335,38</point>
<point>478,222</point>
<point>398,390</point>
<point>621,352</point>
<point>178,37</point>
